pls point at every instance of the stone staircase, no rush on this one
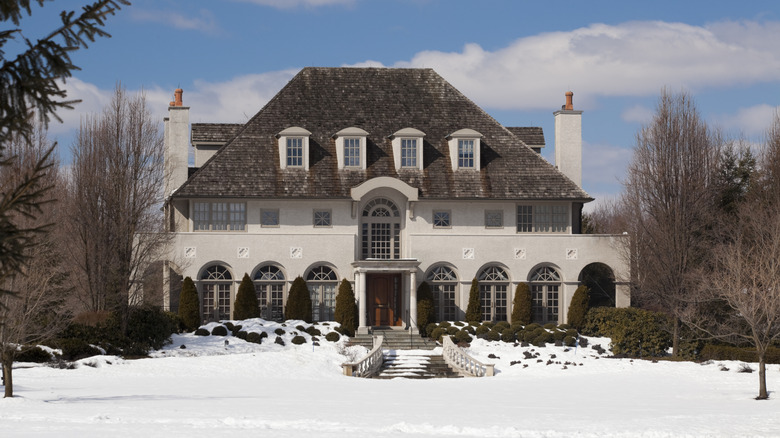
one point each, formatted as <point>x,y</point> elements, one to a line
<point>406,355</point>
<point>414,364</point>
<point>394,340</point>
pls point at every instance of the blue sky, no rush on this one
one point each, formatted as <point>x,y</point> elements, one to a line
<point>513,58</point>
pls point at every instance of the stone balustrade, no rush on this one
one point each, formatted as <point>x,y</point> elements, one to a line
<point>370,364</point>
<point>462,362</point>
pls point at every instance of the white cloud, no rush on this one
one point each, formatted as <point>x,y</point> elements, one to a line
<point>637,114</point>
<point>290,4</point>
<point>604,166</point>
<point>205,22</point>
<point>629,59</point>
<point>752,121</point>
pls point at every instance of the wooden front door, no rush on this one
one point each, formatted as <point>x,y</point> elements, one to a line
<point>384,299</point>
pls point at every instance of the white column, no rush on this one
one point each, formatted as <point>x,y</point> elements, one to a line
<point>360,285</point>
<point>413,301</point>
<point>166,287</point>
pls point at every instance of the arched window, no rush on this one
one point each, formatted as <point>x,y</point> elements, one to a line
<point>269,287</point>
<point>322,283</point>
<point>493,286</point>
<point>545,286</point>
<point>444,286</point>
<point>215,283</point>
<point>381,230</point>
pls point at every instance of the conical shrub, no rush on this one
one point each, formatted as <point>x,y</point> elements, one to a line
<point>425,309</point>
<point>521,306</point>
<point>346,308</point>
<point>298,301</point>
<point>474,310</point>
<point>246,306</point>
<point>578,307</point>
<point>189,305</point>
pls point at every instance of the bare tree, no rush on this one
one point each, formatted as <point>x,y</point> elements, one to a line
<point>668,198</point>
<point>114,200</point>
<point>32,310</point>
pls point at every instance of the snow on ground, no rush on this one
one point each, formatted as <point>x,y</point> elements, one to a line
<point>210,389</point>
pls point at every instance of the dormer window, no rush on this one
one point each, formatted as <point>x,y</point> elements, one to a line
<point>351,148</point>
<point>294,148</point>
<point>464,149</point>
<point>407,148</point>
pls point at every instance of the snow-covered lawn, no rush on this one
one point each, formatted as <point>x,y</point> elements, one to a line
<point>244,389</point>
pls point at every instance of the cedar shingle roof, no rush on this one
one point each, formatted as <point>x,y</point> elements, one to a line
<point>380,101</point>
<point>533,136</point>
<point>214,132</point>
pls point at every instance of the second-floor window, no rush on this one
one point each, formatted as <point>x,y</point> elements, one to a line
<point>219,216</point>
<point>408,152</point>
<point>542,218</point>
<point>466,154</point>
<point>351,152</point>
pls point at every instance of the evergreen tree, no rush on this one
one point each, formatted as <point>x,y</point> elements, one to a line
<point>578,307</point>
<point>521,306</point>
<point>246,306</point>
<point>346,308</point>
<point>425,309</point>
<point>298,301</point>
<point>474,310</point>
<point>189,305</point>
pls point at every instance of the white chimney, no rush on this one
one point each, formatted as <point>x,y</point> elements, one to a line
<point>568,140</point>
<point>177,141</point>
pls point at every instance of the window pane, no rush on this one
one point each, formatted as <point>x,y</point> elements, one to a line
<point>322,218</point>
<point>559,218</point>
<point>524,218</point>
<point>237,216</point>
<point>277,302</point>
<point>200,216</point>
<point>408,152</point>
<point>466,153</point>
<point>441,219</point>
<point>485,302</point>
<point>552,303</point>
<point>500,302</point>
<point>295,152</point>
<point>352,152</point>
<point>537,302</point>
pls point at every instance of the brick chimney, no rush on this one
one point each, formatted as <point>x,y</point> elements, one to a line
<point>568,140</point>
<point>177,141</point>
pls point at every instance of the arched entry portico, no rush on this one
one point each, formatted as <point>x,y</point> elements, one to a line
<point>387,293</point>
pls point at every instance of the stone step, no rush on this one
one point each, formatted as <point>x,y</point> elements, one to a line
<point>394,340</point>
<point>414,365</point>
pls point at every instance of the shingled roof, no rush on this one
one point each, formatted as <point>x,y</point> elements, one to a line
<point>380,101</point>
<point>533,136</point>
<point>214,132</point>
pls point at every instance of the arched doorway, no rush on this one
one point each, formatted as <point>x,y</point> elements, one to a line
<point>216,281</point>
<point>322,282</point>
<point>600,279</point>
<point>545,285</point>
<point>493,287</point>
<point>269,288</point>
<point>444,286</point>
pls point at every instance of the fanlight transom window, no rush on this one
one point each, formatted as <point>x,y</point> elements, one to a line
<point>216,272</point>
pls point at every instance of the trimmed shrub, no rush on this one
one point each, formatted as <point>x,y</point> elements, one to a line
<point>521,305</point>
<point>256,338</point>
<point>730,352</point>
<point>558,335</point>
<point>301,328</point>
<point>279,341</point>
<point>189,305</point>
<point>459,323</point>
<point>75,349</point>
<point>298,340</point>
<point>346,309</point>
<point>426,312</point>
<point>32,354</point>
<point>532,326</point>
<point>298,301</point>
<point>481,330</point>
<point>578,308</point>
<point>489,324</point>
<point>569,341</point>
<point>246,306</point>
<point>429,329</point>
<point>236,329</point>
<point>202,332</point>
<point>437,334</point>
<point>219,330</point>
<point>462,337</point>
<point>634,332</point>
<point>474,310</point>
<point>582,341</point>
<point>452,330</point>
<point>551,326</point>
<point>501,326</point>
<point>508,335</point>
<point>313,331</point>
<point>493,335</point>
<point>229,325</point>
<point>332,337</point>
<point>571,332</point>
<point>444,324</point>
<point>540,341</point>
<point>470,329</point>
<point>149,326</point>
<point>280,331</point>
<point>242,335</point>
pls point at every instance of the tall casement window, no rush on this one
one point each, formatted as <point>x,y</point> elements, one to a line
<point>219,216</point>
<point>294,152</point>
<point>409,152</point>
<point>381,230</point>
<point>322,283</point>
<point>215,284</point>
<point>352,152</point>
<point>465,154</point>
<point>444,285</point>
<point>545,284</point>
<point>542,218</point>
<point>269,288</point>
<point>493,286</point>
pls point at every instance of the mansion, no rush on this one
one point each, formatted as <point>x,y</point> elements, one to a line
<point>387,178</point>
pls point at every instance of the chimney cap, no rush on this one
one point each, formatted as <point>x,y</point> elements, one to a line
<point>569,101</point>
<point>177,97</point>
